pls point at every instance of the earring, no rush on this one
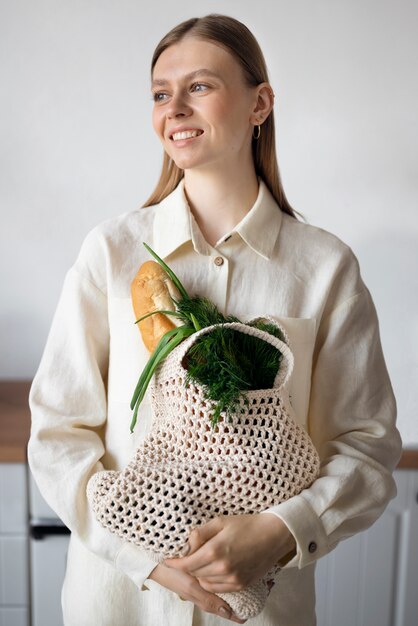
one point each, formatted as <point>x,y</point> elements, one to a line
<point>257,134</point>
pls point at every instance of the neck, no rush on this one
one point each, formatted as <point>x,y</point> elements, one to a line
<point>220,200</point>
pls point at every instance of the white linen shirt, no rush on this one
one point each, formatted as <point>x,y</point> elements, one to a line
<point>269,264</point>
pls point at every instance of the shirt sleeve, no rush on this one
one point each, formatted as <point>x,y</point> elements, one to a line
<point>352,424</point>
<point>68,407</point>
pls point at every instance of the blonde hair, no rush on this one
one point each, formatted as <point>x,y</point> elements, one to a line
<point>241,43</point>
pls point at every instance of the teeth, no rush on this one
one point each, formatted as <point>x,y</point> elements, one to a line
<point>186,134</point>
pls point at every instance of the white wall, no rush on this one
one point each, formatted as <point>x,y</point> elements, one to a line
<point>76,145</point>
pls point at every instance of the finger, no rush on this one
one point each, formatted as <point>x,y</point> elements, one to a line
<point>209,569</point>
<point>202,534</point>
<point>209,560</point>
<point>197,554</point>
<point>210,603</point>
<point>237,620</point>
<point>220,587</point>
<point>188,587</point>
<point>201,561</point>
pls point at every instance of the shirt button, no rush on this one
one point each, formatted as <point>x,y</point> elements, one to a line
<point>218,260</point>
<point>312,547</point>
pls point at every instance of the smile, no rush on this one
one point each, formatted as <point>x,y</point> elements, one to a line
<point>186,134</point>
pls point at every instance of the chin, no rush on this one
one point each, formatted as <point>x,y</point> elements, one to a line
<point>186,164</point>
<point>186,159</point>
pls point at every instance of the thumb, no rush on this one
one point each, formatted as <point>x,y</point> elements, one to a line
<point>201,535</point>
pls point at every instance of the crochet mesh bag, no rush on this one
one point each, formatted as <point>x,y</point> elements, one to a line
<point>186,472</point>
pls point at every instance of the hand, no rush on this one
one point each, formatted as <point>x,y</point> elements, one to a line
<point>188,588</point>
<point>229,553</point>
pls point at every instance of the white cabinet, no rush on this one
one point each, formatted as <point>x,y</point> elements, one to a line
<point>371,579</point>
<point>14,596</point>
<point>48,552</point>
<point>13,616</point>
<point>48,557</point>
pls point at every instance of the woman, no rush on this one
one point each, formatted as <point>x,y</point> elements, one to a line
<point>220,218</point>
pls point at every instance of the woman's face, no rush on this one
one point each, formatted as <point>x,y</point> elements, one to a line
<point>202,106</point>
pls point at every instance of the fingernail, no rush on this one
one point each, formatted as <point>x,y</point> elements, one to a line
<point>185,551</point>
<point>224,612</point>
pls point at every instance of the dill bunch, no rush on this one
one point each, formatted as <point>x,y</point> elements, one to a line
<point>205,312</point>
<point>227,363</point>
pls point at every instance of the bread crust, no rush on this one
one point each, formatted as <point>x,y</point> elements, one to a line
<point>151,290</point>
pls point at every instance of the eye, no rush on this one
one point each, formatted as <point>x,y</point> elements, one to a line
<point>159,96</point>
<point>199,87</point>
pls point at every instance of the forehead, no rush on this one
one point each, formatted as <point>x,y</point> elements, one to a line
<point>191,55</point>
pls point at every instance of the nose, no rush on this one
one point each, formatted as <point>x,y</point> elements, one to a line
<point>178,106</point>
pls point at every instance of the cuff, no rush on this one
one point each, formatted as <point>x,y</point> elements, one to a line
<point>135,563</point>
<point>307,529</point>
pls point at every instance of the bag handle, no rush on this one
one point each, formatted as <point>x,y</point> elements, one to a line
<point>286,365</point>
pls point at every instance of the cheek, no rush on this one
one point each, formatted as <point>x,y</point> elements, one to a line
<point>221,112</point>
<point>233,120</point>
<point>157,122</point>
<point>221,120</point>
<point>237,129</point>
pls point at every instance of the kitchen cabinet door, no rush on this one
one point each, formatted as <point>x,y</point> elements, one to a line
<point>370,579</point>
<point>48,556</point>
<point>13,571</point>
<point>13,499</point>
<point>406,613</point>
<point>11,616</point>
<point>14,553</point>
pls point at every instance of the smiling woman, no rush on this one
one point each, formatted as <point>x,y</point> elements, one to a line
<point>218,113</point>
<point>233,42</point>
<point>206,126</point>
<point>220,219</point>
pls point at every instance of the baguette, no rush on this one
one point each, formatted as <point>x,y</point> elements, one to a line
<point>151,290</point>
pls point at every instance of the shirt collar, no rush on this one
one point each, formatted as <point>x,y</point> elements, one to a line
<point>174,224</point>
<point>260,227</point>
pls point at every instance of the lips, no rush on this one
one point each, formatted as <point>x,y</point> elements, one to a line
<point>185,134</point>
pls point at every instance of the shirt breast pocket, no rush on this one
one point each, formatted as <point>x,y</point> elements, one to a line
<point>128,355</point>
<point>301,333</point>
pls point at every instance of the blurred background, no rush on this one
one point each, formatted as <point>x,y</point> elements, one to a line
<point>77,147</point>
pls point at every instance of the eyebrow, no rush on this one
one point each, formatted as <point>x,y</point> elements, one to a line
<point>202,72</point>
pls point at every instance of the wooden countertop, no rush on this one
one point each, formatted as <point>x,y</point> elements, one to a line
<point>409,459</point>
<point>14,420</point>
<point>15,425</point>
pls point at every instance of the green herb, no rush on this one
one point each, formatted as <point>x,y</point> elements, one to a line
<point>225,362</point>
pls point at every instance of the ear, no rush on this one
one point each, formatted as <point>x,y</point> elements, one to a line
<point>264,101</point>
